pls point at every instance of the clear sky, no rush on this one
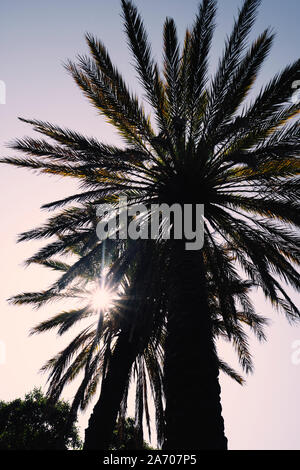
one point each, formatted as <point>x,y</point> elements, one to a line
<point>36,37</point>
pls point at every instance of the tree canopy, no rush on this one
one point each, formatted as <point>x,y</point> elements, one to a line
<point>35,423</point>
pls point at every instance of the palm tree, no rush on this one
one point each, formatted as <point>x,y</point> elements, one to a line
<point>206,146</point>
<point>126,341</point>
<point>127,346</point>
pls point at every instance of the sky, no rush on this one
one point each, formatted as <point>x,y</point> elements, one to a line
<point>36,38</point>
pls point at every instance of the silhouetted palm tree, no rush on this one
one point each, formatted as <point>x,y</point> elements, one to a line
<point>241,163</point>
<point>127,333</point>
<point>124,347</point>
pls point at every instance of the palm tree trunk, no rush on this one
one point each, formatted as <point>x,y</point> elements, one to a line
<point>101,424</point>
<point>193,406</point>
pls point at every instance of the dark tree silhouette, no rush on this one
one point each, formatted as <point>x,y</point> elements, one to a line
<point>125,437</point>
<point>137,351</point>
<point>36,424</point>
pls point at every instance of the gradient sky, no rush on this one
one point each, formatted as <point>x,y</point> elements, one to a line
<point>36,37</point>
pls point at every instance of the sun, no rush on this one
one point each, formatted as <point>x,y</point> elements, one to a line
<point>102,298</point>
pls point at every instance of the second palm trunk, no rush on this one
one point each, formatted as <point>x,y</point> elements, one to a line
<point>98,435</point>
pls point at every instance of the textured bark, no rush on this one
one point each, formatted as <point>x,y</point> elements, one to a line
<point>103,418</point>
<point>193,407</point>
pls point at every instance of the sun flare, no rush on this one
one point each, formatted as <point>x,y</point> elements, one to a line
<point>102,298</point>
